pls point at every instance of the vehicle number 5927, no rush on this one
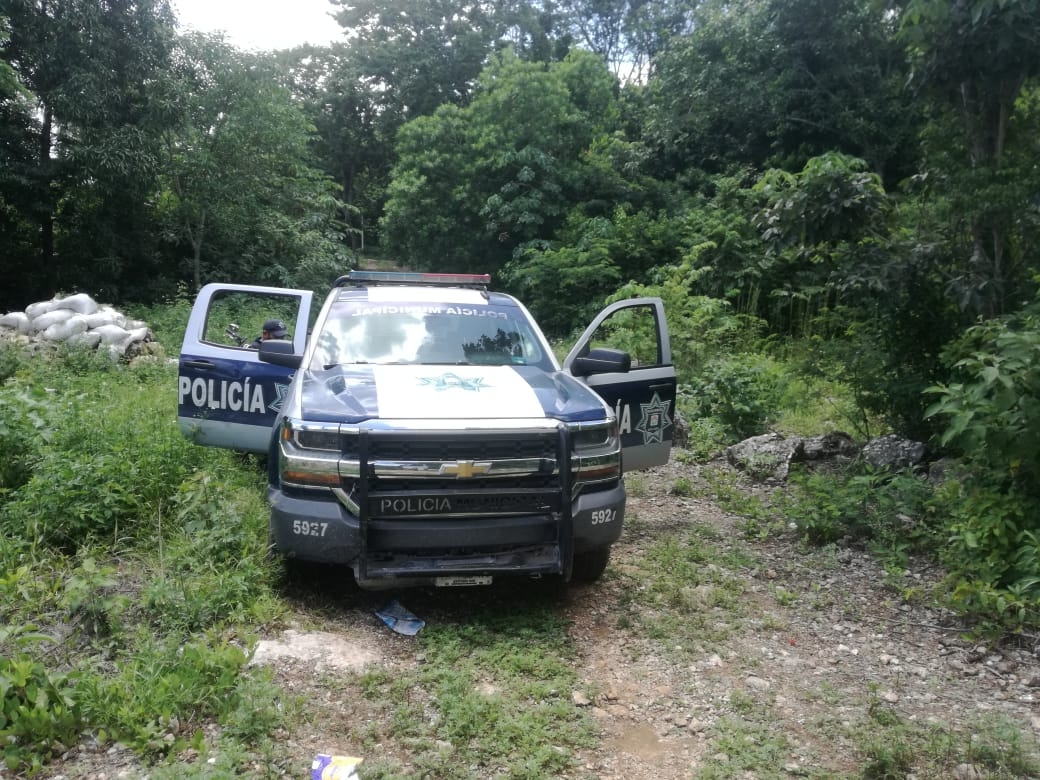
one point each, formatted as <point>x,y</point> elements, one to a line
<point>601,516</point>
<point>306,528</point>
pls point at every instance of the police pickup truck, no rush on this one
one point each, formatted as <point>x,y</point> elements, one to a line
<point>424,432</point>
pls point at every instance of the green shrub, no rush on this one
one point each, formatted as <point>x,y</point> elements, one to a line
<point>189,601</point>
<point>72,500</point>
<point>39,714</point>
<point>256,708</point>
<point>992,551</point>
<point>84,360</point>
<point>741,392</point>
<point>890,509</point>
<point>707,439</point>
<point>91,599</point>
<point>159,682</point>
<point>168,321</point>
<point>681,487</point>
<point>992,417</point>
<point>564,285</point>
<point>213,567</point>
<point>701,328</point>
<point>11,359</point>
<point>100,453</point>
<point>24,432</point>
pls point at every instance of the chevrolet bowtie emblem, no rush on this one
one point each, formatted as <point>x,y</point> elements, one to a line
<point>464,469</point>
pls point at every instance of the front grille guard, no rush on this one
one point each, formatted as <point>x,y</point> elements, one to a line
<point>563,518</point>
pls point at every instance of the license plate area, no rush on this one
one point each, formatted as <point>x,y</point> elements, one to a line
<point>462,581</point>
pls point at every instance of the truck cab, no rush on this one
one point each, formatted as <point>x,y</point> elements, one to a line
<point>422,431</point>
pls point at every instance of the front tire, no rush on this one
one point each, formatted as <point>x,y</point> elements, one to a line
<point>589,565</point>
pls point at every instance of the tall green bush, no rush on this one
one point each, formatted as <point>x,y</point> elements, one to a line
<point>95,453</point>
<point>992,413</point>
<point>742,392</point>
<point>992,419</point>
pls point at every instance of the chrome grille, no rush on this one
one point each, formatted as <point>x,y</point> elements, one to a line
<point>473,446</point>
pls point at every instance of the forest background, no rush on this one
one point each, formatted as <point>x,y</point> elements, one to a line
<point>841,195</point>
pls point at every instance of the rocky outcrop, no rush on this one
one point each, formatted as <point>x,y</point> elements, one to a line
<point>894,452</point>
<point>769,457</point>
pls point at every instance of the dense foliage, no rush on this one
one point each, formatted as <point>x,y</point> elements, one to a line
<point>828,193</point>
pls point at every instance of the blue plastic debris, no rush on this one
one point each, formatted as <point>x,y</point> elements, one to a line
<point>400,619</point>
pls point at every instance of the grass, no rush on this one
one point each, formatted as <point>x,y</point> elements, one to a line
<point>130,561</point>
<point>685,592</point>
<point>492,698</point>
<point>891,746</point>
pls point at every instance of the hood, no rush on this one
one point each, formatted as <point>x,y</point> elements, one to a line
<point>353,394</point>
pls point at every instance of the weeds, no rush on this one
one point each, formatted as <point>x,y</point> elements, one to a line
<point>493,698</point>
<point>96,474</point>
<point>892,746</point>
<point>164,687</point>
<point>888,509</point>
<point>685,586</point>
<point>681,487</point>
<point>39,713</point>
<point>745,747</point>
<point>758,518</point>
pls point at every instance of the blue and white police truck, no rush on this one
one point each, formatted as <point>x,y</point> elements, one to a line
<point>420,429</point>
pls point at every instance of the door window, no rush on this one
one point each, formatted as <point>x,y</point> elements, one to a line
<point>236,318</point>
<point>632,330</point>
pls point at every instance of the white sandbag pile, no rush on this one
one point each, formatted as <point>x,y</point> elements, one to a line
<point>77,320</point>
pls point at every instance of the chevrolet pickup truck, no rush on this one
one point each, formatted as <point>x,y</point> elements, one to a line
<point>420,429</point>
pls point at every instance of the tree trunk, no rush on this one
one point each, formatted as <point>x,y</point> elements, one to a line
<point>196,247</point>
<point>46,169</point>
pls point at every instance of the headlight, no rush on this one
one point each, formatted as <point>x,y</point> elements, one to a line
<point>596,453</point>
<point>592,436</point>
<point>308,454</point>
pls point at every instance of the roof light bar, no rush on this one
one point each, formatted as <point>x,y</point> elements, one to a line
<point>406,277</point>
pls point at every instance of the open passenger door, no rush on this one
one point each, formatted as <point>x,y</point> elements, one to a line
<point>643,396</point>
<point>227,397</point>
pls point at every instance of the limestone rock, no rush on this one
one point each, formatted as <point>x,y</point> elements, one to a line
<point>894,452</point>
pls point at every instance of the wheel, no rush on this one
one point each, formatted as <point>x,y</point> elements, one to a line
<point>590,565</point>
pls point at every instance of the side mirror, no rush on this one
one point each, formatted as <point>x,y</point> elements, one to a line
<point>279,353</point>
<point>602,360</point>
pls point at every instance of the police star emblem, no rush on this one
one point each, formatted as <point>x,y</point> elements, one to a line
<point>653,419</point>
<point>280,392</point>
<point>450,380</point>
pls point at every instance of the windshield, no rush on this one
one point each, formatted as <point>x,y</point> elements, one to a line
<point>358,331</point>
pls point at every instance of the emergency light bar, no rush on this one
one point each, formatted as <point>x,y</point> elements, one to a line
<point>363,278</point>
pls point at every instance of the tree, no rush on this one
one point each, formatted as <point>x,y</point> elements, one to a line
<point>472,184</point>
<point>628,34</point>
<point>419,54</point>
<point>17,158</point>
<point>976,59</point>
<point>772,83</point>
<point>96,70</point>
<point>239,188</point>
<point>354,138</point>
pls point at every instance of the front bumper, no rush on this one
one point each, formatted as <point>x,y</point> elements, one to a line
<point>418,549</point>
